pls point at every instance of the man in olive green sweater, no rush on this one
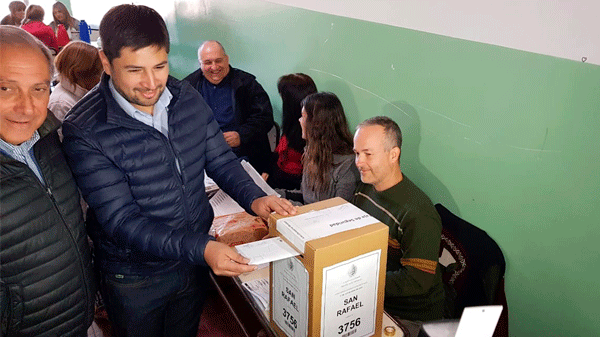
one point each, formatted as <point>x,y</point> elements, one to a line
<point>413,289</point>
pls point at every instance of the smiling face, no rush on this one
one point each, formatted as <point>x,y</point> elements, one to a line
<point>140,76</point>
<point>378,165</point>
<point>24,92</point>
<point>213,62</point>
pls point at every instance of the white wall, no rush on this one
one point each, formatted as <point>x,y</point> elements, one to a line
<point>563,28</point>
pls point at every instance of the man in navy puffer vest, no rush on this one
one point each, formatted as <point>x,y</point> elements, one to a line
<point>139,144</point>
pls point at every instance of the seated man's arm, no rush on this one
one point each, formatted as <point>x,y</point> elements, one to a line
<point>259,120</point>
<point>106,190</point>
<point>420,244</point>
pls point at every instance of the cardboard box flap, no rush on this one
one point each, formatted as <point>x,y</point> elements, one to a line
<point>320,220</point>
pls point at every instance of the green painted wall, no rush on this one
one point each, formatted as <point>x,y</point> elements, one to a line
<point>506,139</point>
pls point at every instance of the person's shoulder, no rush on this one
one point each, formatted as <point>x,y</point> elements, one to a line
<point>194,78</point>
<point>415,199</point>
<point>87,112</point>
<point>7,20</point>
<point>244,77</point>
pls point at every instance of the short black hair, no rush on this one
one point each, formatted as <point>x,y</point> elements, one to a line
<point>134,26</point>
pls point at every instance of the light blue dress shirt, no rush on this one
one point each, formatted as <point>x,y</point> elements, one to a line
<point>159,118</point>
<point>24,154</point>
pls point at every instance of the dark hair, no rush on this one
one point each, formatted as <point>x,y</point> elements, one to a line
<point>392,131</point>
<point>327,133</point>
<point>33,13</point>
<point>79,63</point>
<point>16,6</point>
<point>134,26</point>
<point>293,88</point>
<point>69,21</point>
<point>15,36</point>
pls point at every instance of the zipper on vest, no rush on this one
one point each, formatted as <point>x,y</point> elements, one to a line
<point>73,240</point>
<point>179,176</point>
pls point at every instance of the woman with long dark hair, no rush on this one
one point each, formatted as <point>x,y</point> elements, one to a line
<point>328,161</point>
<point>287,172</point>
<point>61,16</point>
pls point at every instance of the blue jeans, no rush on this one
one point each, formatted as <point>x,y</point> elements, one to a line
<point>167,304</point>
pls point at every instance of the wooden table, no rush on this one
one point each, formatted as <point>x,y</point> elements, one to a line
<point>251,318</point>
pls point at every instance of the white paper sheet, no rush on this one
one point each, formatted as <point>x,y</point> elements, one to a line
<point>209,184</point>
<point>258,179</point>
<point>349,300</point>
<point>259,289</point>
<point>223,204</point>
<point>290,297</point>
<point>318,224</point>
<point>268,250</point>
<point>479,321</point>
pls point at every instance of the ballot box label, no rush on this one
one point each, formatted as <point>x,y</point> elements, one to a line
<point>349,298</point>
<point>290,297</point>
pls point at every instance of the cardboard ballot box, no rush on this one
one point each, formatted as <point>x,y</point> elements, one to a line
<point>336,286</point>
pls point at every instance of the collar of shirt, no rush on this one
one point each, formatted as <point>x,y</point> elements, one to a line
<point>23,153</point>
<point>159,118</point>
<point>18,152</point>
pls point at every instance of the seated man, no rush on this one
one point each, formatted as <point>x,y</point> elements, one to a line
<point>139,144</point>
<point>46,282</point>
<point>413,287</point>
<point>240,104</point>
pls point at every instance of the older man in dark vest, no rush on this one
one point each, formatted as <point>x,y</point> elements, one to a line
<point>46,282</point>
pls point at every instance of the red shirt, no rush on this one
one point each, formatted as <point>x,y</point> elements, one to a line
<point>42,32</point>
<point>290,160</point>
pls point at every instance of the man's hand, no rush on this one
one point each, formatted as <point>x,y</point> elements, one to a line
<point>265,205</point>
<point>265,176</point>
<point>232,138</point>
<point>224,260</point>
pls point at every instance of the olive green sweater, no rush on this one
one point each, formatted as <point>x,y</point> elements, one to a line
<point>413,287</point>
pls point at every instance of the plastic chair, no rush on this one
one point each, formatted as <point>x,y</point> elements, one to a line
<point>473,268</point>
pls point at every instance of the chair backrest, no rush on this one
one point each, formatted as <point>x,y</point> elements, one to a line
<point>473,268</point>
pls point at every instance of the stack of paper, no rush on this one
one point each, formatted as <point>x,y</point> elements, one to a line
<point>259,289</point>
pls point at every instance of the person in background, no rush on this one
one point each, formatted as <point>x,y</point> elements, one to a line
<point>79,69</point>
<point>413,288</point>
<point>328,161</point>
<point>287,171</point>
<point>62,16</point>
<point>47,287</point>
<point>17,13</point>
<point>33,23</point>
<point>240,104</point>
<point>137,143</point>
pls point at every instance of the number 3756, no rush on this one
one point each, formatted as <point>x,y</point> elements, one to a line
<point>348,325</point>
